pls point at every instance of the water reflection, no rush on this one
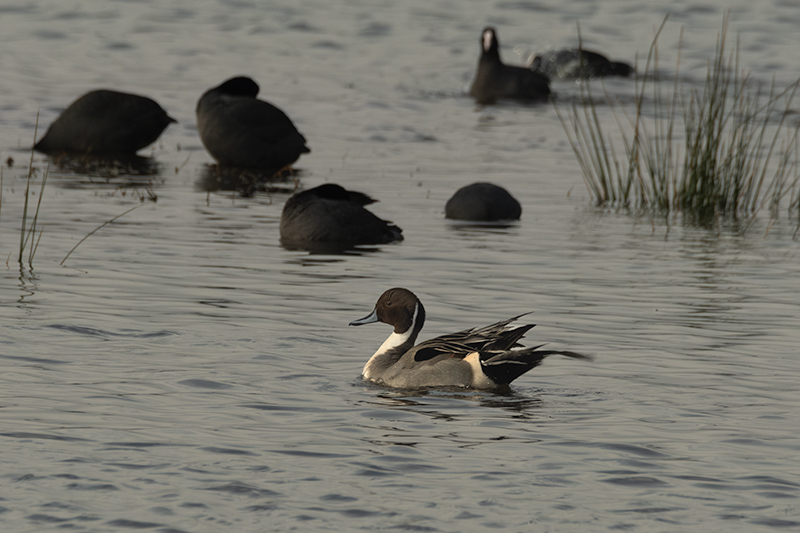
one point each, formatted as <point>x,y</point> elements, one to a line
<point>506,399</point>
<point>28,284</point>
<point>468,228</point>
<point>107,167</point>
<point>247,182</point>
<point>331,248</point>
<point>311,261</point>
<point>135,175</point>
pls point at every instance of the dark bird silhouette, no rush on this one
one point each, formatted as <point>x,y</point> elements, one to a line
<point>495,80</point>
<point>105,123</point>
<point>238,130</point>
<point>578,63</point>
<point>331,214</point>
<point>482,202</point>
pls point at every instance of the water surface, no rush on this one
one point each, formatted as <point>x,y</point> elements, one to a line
<point>182,372</point>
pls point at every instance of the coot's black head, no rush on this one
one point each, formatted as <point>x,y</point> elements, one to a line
<point>239,86</point>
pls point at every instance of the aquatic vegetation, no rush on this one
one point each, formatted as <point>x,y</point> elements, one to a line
<point>735,155</point>
<point>28,233</point>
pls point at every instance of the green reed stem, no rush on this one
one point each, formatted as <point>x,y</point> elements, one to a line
<point>733,161</point>
<point>36,218</point>
<point>22,238</point>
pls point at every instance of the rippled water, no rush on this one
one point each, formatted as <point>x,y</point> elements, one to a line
<point>182,372</point>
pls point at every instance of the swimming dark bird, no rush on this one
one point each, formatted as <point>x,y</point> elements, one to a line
<point>330,214</point>
<point>495,80</point>
<point>578,63</point>
<point>478,358</point>
<point>241,131</point>
<point>104,123</point>
<point>482,202</point>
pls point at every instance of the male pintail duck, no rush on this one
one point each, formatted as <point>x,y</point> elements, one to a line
<point>482,202</point>
<point>241,131</point>
<point>495,80</point>
<point>478,358</point>
<point>331,214</point>
<point>105,123</point>
<point>578,63</point>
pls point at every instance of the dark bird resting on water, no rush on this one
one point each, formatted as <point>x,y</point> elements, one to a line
<point>482,202</point>
<point>331,214</point>
<point>105,123</point>
<point>241,131</point>
<point>495,80</point>
<point>578,63</point>
<point>478,358</point>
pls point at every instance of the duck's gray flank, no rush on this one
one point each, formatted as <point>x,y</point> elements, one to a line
<point>480,358</point>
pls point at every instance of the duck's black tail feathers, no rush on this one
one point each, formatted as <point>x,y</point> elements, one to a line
<point>506,366</point>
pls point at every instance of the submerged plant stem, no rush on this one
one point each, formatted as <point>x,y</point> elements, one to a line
<point>107,222</point>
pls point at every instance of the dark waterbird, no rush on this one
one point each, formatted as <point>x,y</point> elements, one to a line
<point>241,131</point>
<point>482,202</point>
<point>330,214</point>
<point>495,80</point>
<point>105,123</point>
<point>478,358</point>
<point>578,63</point>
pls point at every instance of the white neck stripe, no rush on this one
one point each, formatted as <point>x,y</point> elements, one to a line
<point>393,341</point>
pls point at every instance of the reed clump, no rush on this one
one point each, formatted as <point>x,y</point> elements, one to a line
<point>737,153</point>
<point>28,231</point>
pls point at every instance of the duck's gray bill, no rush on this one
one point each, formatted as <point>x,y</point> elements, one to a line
<point>369,319</point>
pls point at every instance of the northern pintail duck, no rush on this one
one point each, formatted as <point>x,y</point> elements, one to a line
<point>495,80</point>
<point>578,63</point>
<point>331,214</point>
<point>104,123</point>
<point>241,131</point>
<point>479,358</point>
<point>482,202</point>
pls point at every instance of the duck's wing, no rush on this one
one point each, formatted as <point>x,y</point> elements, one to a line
<point>494,337</point>
<point>440,349</point>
